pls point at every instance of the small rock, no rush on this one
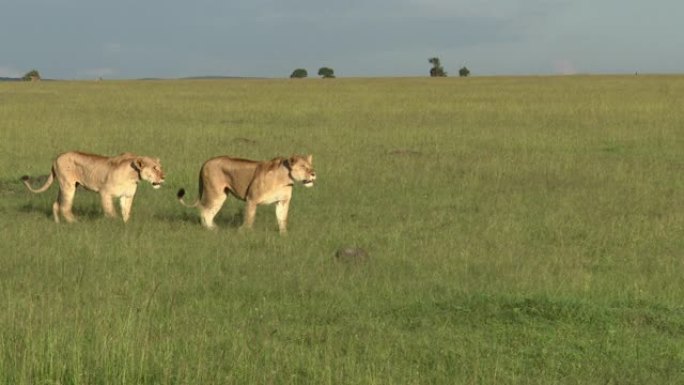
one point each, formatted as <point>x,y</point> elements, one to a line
<point>351,254</point>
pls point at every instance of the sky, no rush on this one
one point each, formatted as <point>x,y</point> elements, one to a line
<point>130,39</point>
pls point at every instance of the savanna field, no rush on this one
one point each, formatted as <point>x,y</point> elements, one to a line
<point>518,230</point>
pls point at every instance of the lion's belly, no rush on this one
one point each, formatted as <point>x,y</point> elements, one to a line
<point>127,189</point>
<point>283,194</point>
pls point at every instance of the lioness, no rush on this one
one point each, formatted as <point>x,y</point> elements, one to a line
<point>255,182</point>
<point>116,176</point>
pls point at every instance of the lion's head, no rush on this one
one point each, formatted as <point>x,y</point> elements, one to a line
<point>301,169</point>
<point>150,170</point>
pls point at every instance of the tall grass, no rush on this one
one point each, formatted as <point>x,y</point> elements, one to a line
<point>520,230</point>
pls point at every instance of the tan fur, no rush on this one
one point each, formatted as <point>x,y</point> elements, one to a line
<point>255,182</point>
<point>111,177</point>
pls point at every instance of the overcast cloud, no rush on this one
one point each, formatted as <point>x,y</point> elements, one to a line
<point>81,39</point>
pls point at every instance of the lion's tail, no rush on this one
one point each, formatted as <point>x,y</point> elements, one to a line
<point>181,194</point>
<point>26,179</point>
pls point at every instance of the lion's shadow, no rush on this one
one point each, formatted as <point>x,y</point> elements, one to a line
<point>227,219</point>
<point>93,211</point>
<point>80,212</point>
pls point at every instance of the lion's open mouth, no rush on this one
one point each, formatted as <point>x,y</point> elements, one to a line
<point>308,183</point>
<point>156,185</point>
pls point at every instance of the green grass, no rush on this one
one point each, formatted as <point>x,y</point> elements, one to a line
<point>520,231</point>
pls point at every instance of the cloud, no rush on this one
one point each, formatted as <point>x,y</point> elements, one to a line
<point>112,48</point>
<point>156,38</point>
<point>462,8</point>
<point>99,72</point>
<point>9,72</point>
<point>564,67</point>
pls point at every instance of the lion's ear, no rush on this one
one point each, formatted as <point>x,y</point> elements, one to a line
<point>138,164</point>
<point>309,158</point>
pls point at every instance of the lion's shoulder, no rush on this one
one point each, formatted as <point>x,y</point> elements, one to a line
<point>122,160</point>
<point>272,165</point>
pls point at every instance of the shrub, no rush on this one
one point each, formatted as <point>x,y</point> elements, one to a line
<point>326,72</point>
<point>299,73</point>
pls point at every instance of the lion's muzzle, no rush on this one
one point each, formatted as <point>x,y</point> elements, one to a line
<point>309,182</point>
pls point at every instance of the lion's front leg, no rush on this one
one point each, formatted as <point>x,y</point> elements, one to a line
<point>108,205</point>
<point>282,207</point>
<point>250,213</point>
<point>126,202</point>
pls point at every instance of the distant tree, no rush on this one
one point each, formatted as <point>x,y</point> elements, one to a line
<point>32,75</point>
<point>436,70</point>
<point>299,73</point>
<point>326,72</point>
<point>464,72</point>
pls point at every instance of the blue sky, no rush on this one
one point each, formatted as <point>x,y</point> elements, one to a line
<point>85,39</point>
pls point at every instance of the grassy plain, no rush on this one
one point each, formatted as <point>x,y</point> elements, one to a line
<point>520,231</point>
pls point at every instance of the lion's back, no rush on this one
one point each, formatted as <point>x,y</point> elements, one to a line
<point>92,171</point>
<point>239,176</point>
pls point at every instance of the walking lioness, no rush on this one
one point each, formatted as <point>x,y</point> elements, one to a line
<point>255,182</point>
<point>111,177</point>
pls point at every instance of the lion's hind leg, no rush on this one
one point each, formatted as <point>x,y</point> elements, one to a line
<point>64,203</point>
<point>55,210</point>
<point>209,206</point>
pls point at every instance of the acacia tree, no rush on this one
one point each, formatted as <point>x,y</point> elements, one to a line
<point>32,75</point>
<point>436,70</point>
<point>326,72</point>
<point>299,73</point>
<point>463,72</point>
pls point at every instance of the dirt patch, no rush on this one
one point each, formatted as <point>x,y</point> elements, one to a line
<point>245,141</point>
<point>404,152</point>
